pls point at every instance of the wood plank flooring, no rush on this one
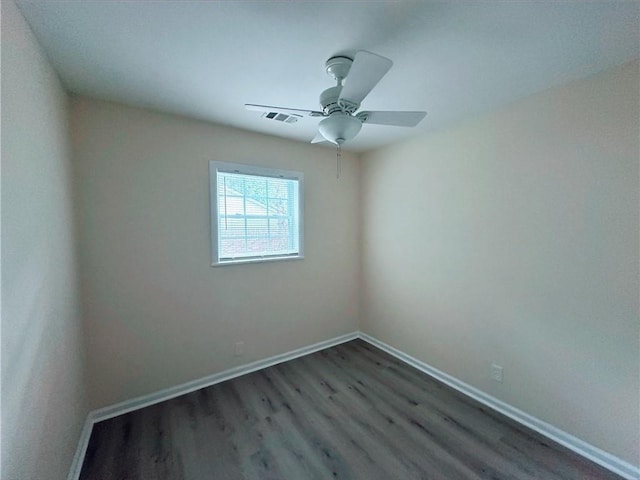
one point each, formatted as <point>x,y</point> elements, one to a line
<point>348,412</point>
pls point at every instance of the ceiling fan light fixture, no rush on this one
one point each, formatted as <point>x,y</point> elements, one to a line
<point>339,127</point>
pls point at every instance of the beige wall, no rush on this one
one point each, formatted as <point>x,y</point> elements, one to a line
<point>156,313</point>
<point>43,395</point>
<point>513,238</point>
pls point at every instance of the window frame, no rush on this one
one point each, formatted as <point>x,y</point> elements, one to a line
<point>245,169</point>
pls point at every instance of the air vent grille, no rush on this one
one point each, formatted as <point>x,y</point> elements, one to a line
<point>281,117</point>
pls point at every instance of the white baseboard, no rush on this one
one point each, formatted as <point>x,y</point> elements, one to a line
<point>595,454</point>
<point>81,450</point>
<point>188,387</point>
<point>605,459</point>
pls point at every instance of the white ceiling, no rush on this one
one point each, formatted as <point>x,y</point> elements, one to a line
<point>206,59</point>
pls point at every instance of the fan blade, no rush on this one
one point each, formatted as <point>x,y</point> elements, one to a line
<point>288,111</point>
<point>397,119</point>
<point>319,139</point>
<point>365,73</point>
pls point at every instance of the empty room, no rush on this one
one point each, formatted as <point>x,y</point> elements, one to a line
<point>320,240</point>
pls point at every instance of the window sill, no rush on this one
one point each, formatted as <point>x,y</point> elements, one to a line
<point>244,261</point>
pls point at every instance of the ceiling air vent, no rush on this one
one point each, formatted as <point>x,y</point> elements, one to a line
<point>281,117</point>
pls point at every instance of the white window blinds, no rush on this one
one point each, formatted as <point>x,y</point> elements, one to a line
<point>257,216</point>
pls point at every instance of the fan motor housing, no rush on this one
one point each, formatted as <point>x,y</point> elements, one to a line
<point>329,99</point>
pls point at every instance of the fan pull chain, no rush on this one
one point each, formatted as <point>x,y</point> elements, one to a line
<point>339,161</point>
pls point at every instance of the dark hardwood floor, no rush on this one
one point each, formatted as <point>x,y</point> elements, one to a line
<point>348,412</point>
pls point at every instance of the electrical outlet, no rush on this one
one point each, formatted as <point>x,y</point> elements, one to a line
<point>497,373</point>
<point>238,349</point>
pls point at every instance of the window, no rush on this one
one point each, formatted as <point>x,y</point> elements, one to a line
<point>256,213</point>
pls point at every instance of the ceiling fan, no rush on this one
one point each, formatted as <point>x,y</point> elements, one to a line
<point>339,104</point>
